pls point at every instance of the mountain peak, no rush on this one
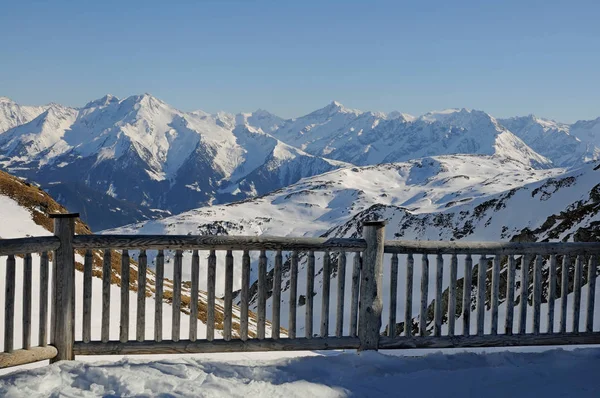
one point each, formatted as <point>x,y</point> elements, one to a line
<point>106,100</point>
<point>6,100</point>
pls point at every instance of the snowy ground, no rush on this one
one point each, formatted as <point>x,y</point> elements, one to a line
<point>528,373</point>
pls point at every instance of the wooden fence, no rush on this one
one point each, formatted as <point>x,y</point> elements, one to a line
<point>443,321</point>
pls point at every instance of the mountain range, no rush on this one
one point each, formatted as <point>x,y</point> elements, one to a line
<point>119,161</point>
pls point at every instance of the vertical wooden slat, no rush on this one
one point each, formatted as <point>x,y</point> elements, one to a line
<point>244,295</point>
<point>577,292</point>
<point>211,283</point>
<point>410,265</point>
<point>495,293</point>
<point>228,302</point>
<point>158,295</point>
<point>510,295</point>
<point>467,286</point>
<point>124,324</point>
<point>564,292</point>
<point>87,296</point>
<point>106,279</point>
<point>391,331</point>
<point>537,292</point>
<point>140,330</point>
<point>9,304</point>
<point>591,298</point>
<point>176,314</point>
<point>341,288</point>
<point>44,279</point>
<point>355,291</point>
<point>551,293</point>
<point>481,274</point>
<point>452,295</point>
<point>437,311</point>
<point>325,294</point>
<point>310,285</point>
<point>262,294</point>
<point>276,307</point>
<point>27,277</point>
<point>424,295</point>
<point>194,296</point>
<point>293,295</point>
<point>524,294</point>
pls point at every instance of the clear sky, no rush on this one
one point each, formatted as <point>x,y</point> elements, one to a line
<point>504,57</point>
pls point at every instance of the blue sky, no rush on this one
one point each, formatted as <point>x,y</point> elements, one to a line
<point>505,57</point>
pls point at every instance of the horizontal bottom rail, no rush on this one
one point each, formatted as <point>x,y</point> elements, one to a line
<point>22,357</point>
<point>205,346</point>
<point>500,340</point>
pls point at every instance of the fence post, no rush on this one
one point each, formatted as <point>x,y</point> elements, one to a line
<point>62,325</point>
<point>371,282</point>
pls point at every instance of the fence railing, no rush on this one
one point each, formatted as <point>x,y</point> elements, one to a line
<point>484,294</point>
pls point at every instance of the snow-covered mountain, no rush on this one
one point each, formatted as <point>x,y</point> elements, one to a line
<point>563,144</point>
<point>13,114</point>
<point>119,161</point>
<point>142,151</point>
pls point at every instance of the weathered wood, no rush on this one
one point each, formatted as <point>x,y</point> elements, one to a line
<point>140,330</point>
<point>244,295</point>
<point>510,295</point>
<point>106,276</point>
<point>262,294</point>
<point>537,293</point>
<point>27,279</point>
<point>63,314</point>
<point>437,311</point>
<point>87,296</point>
<point>310,287</point>
<point>524,293</point>
<point>452,295</point>
<point>211,284</point>
<point>424,295</point>
<point>410,264</point>
<point>499,340</point>
<point>355,292</point>
<point>467,286</point>
<point>205,346</point>
<point>158,295</point>
<point>341,288</point>
<point>293,295</point>
<point>564,292</point>
<point>591,298</point>
<point>577,292</point>
<point>214,242</point>
<point>551,293</point>
<point>481,273</point>
<point>124,320</point>
<point>9,304</point>
<point>194,296</point>
<point>371,286</point>
<point>228,301</point>
<point>176,314</point>
<point>44,279</point>
<point>28,245</point>
<point>325,294</point>
<point>495,294</point>
<point>276,296</point>
<point>491,248</point>
<point>391,329</point>
<point>22,357</point>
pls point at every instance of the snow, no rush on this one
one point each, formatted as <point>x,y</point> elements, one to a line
<point>551,373</point>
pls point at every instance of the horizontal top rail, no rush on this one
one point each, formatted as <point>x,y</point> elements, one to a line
<point>490,248</point>
<point>185,242</point>
<point>28,245</point>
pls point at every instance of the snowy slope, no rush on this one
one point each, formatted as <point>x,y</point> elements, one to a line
<point>439,198</point>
